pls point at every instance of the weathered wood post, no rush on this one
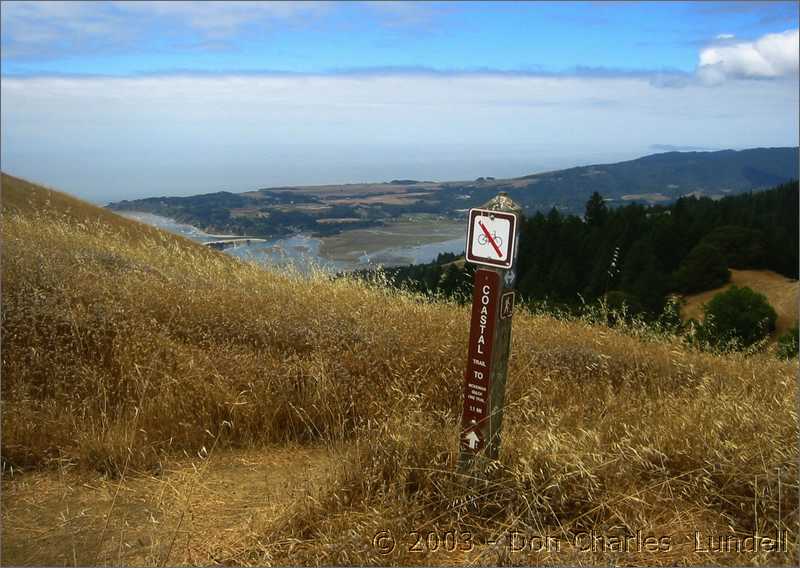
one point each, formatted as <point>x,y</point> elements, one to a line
<point>492,243</point>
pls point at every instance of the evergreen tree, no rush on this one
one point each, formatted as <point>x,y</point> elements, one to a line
<point>643,278</point>
<point>703,269</point>
<point>596,211</point>
<point>742,247</point>
<point>451,282</point>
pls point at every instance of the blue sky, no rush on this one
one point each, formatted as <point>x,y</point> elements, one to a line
<point>122,99</point>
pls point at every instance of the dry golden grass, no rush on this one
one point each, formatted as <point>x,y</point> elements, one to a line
<point>124,347</point>
<point>781,292</point>
<point>195,511</point>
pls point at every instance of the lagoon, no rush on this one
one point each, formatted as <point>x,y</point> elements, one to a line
<point>402,243</point>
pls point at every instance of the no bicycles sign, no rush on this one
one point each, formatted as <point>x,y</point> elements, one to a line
<point>490,238</point>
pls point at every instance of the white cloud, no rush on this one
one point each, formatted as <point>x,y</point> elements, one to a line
<point>401,13</point>
<point>223,19</point>
<point>725,36</point>
<point>37,28</point>
<point>773,55</point>
<point>55,29</point>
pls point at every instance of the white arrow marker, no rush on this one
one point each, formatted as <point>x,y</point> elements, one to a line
<point>472,440</point>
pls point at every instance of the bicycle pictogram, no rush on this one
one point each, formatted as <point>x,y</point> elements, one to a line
<point>483,239</point>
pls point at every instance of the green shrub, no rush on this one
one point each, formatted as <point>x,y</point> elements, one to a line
<point>670,317</point>
<point>787,343</point>
<point>739,315</point>
<point>620,301</point>
<point>742,247</point>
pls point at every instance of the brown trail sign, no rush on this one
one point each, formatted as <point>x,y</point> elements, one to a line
<point>492,239</point>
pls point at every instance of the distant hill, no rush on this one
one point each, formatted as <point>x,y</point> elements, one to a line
<point>665,177</point>
<point>658,178</point>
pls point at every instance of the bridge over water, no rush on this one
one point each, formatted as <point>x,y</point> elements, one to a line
<point>227,243</point>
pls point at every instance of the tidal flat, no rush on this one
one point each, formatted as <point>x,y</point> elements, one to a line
<point>394,235</point>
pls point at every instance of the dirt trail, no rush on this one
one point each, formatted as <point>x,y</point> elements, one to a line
<point>196,512</point>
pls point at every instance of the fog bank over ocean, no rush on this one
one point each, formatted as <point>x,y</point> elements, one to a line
<point>127,178</point>
<point>107,139</point>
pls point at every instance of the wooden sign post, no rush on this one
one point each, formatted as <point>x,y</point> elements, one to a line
<point>492,243</point>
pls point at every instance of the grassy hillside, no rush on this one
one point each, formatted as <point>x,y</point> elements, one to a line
<point>127,351</point>
<point>781,292</point>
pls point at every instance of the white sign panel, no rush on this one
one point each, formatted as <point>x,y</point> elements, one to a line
<point>490,238</point>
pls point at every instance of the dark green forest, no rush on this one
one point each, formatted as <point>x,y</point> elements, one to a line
<point>637,254</point>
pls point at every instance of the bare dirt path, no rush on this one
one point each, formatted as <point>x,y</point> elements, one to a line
<point>198,511</point>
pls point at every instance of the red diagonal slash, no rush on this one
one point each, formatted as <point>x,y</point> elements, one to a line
<point>491,240</point>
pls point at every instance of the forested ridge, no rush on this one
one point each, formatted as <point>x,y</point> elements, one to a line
<point>653,179</point>
<point>637,254</point>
